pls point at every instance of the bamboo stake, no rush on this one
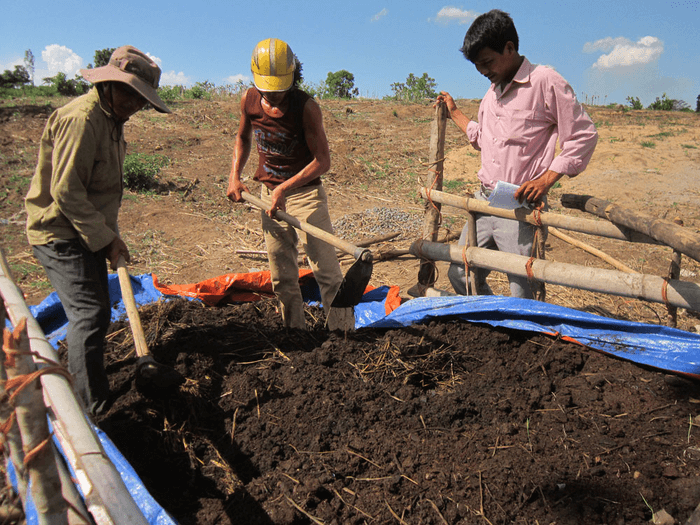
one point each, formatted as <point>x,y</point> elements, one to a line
<point>30,415</point>
<point>674,272</point>
<point>12,444</point>
<point>601,228</point>
<point>590,249</point>
<point>681,294</point>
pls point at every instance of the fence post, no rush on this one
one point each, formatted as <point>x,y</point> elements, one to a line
<point>432,180</point>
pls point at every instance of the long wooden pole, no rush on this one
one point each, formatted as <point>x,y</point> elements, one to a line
<point>433,180</point>
<point>592,250</point>
<point>681,294</point>
<point>103,488</point>
<point>667,232</point>
<point>601,228</point>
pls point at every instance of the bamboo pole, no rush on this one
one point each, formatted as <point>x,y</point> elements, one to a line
<point>106,497</point>
<point>664,231</point>
<point>564,222</point>
<point>592,250</point>
<point>681,294</point>
<point>31,419</point>
<point>433,180</point>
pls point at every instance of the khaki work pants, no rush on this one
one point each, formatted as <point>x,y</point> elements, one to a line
<point>308,204</point>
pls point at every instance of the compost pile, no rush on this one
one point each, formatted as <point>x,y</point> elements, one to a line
<point>447,422</point>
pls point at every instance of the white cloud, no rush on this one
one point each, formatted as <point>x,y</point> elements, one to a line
<point>155,59</point>
<point>170,78</point>
<point>60,58</point>
<point>234,79</point>
<point>450,14</point>
<point>380,14</point>
<point>622,52</point>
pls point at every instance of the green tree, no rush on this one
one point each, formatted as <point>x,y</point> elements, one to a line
<point>102,57</point>
<point>68,87</point>
<point>29,63</point>
<point>340,84</point>
<point>415,89</point>
<point>16,78</point>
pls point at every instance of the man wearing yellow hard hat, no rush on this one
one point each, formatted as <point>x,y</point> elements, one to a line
<point>293,153</point>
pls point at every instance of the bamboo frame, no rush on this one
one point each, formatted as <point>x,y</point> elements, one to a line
<point>106,497</point>
<point>680,294</point>
<point>681,242</point>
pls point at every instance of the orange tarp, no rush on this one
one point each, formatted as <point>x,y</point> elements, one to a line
<point>247,287</point>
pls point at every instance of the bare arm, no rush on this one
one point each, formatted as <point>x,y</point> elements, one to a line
<point>453,111</point>
<point>241,152</point>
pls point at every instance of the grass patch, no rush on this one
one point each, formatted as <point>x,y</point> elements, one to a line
<point>454,186</point>
<point>648,144</point>
<point>688,146</point>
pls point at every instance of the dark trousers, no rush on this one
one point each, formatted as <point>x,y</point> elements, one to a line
<point>79,277</point>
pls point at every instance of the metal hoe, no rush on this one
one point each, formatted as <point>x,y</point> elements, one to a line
<point>358,275</point>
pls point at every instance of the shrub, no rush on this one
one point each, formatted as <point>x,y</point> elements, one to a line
<point>141,169</point>
<point>171,93</point>
<point>664,103</point>
<point>71,88</point>
<point>415,89</point>
<point>635,103</point>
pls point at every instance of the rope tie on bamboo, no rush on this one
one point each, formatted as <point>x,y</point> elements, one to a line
<point>431,167</point>
<point>537,217</point>
<point>664,292</point>
<point>425,260</point>
<point>5,429</point>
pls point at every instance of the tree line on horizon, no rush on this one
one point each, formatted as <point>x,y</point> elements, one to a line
<point>337,85</point>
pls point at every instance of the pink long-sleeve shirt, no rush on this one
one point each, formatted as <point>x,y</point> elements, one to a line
<point>518,128</point>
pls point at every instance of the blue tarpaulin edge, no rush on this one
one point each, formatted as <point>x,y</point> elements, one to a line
<point>652,345</point>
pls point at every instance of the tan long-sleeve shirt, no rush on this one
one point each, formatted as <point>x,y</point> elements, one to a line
<point>77,187</point>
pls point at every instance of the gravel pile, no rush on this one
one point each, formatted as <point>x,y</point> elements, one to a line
<point>379,221</point>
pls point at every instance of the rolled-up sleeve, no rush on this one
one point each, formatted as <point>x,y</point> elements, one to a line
<point>577,134</point>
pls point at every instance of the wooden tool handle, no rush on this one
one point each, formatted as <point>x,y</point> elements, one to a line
<point>315,231</point>
<point>131,309</point>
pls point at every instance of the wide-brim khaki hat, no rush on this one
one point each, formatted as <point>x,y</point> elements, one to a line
<point>133,67</point>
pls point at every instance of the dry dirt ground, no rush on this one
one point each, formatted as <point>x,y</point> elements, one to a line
<point>444,423</point>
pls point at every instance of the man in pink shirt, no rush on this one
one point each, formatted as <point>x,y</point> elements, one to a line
<point>526,109</point>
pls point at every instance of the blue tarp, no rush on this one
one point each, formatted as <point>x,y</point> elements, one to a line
<point>657,346</point>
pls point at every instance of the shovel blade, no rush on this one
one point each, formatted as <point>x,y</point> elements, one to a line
<point>354,283</point>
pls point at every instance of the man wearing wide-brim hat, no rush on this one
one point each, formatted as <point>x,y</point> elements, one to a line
<point>73,204</point>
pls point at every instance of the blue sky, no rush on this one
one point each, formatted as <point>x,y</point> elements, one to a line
<point>608,50</point>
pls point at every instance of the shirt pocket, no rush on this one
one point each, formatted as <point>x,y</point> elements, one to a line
<point>518,126</point>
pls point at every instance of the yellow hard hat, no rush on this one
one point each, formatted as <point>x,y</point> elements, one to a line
<point>273,65</point>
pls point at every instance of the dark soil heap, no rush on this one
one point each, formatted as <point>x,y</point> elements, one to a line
<point>449,422</point>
